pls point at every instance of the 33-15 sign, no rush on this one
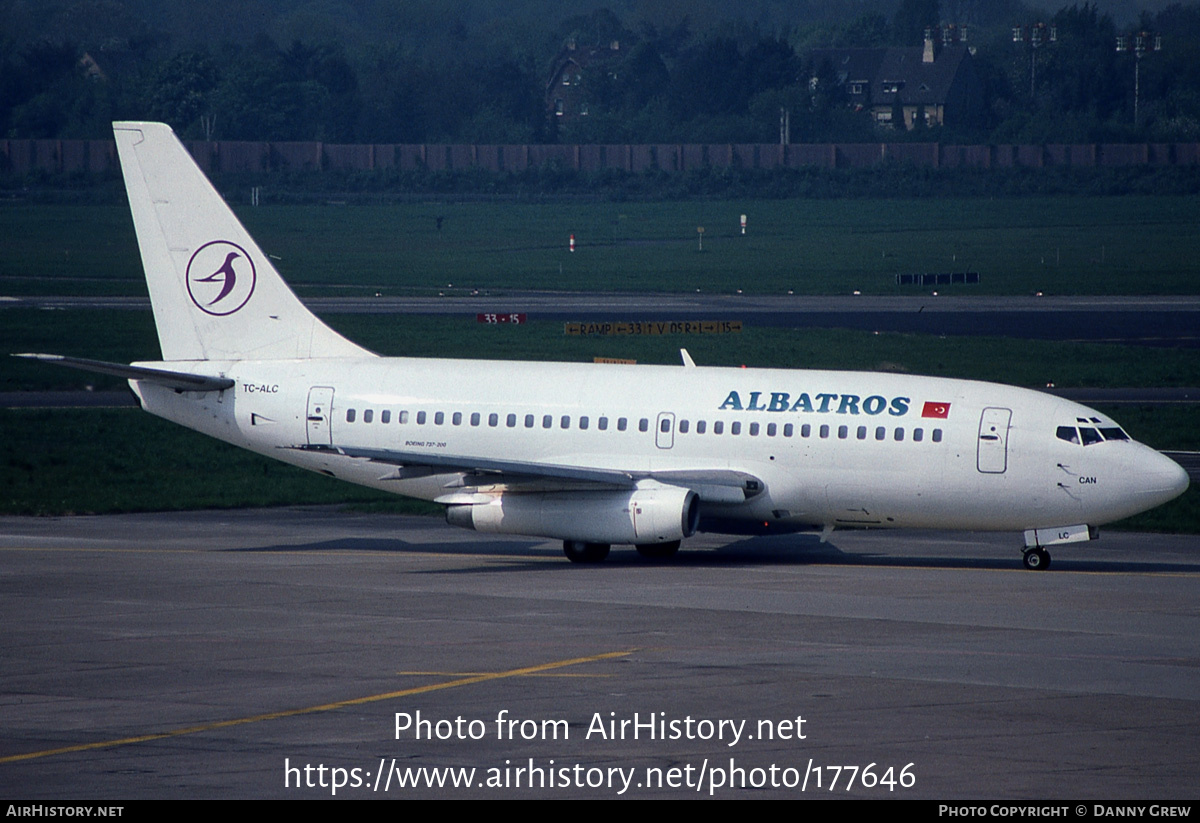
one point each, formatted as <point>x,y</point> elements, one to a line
<point>500,318</point>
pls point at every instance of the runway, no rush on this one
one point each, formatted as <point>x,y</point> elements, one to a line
<point>268,653</point>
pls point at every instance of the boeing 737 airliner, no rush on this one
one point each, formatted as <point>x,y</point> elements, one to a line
<point>595,454</point>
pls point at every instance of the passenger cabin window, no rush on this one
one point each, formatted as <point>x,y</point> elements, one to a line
<point>529,421</point>
<point>644,425</point>
<point>622,424</point>
<point>683,426</point>
<point>474,418</point>
<point>718,427</point>
<point>583,423</point>
<point>602,424</point>
<point>385,416</point>
<point>511,421</point>
<point>493,420</point>
<point>350,415</point>
<point>700,426</point>
<point>547,421</point>
<point>735,427</point>
<point>565,422</point>
<point>368,415</point>
<point>439,418</point>
<point>403,418</point>
<point>918,435</point>
<point>937,435</point>
<point>824,431</point>
<point>754,430</point>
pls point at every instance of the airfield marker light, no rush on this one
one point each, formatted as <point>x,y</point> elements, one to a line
<point>743,224</point>
<point>571,244</point>
<point>700,233</point>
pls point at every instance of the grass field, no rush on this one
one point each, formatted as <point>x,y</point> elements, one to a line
<point>60,461</point>
<point>57,462</point>
<point>1058,245</point>
<point>124,336</point>
<point>115,460</point>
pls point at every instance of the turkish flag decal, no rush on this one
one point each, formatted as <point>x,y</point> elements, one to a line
<point>938,410</point>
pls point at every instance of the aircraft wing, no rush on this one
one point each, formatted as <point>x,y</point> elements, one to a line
<point>180,381</point>
<point>712,485</point>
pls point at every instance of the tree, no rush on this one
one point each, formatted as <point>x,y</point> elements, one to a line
<point>179,90</point>
<point>913,18</point>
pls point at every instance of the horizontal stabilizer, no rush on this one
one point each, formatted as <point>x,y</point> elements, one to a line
<point>180,381</point>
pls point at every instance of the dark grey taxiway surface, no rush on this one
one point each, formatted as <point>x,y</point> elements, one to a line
<point>219,654</point>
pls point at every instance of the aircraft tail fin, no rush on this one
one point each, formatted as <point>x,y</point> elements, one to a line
<point>216,295</point>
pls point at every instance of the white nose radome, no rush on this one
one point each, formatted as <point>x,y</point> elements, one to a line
<point>1159,478</point>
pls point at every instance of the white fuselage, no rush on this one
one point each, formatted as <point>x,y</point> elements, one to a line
<point>830,448</point>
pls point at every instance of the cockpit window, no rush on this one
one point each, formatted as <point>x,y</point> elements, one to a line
<point>1089,436</point>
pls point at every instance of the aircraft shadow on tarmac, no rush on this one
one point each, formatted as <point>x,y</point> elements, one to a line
<point>776,550</point>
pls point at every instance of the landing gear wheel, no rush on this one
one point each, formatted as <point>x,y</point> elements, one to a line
<point>579,552</point>
<point>1037,560</point>
<point>658,551</point>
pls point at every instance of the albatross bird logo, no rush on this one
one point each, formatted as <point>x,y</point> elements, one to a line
<point>229,285</point>
<point>225,275</point>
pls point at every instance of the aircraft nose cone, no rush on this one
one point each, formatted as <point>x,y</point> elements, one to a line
<point>1162,478</point>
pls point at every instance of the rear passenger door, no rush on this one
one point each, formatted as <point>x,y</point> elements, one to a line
<point>319,414</point>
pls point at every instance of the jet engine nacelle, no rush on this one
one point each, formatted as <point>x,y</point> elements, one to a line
<point>660,514</point>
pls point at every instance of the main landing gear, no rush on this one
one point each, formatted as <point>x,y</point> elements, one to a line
<point>1036,560</point>
<point>658,551</point>
<point>579,552</point>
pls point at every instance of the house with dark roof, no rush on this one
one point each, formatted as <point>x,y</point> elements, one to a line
<point>906,86</point>
<point>565,96</point>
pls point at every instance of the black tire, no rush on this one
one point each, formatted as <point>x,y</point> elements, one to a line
<point>1037,560</point>
<point>658,551</point>
<point>579,552</point>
